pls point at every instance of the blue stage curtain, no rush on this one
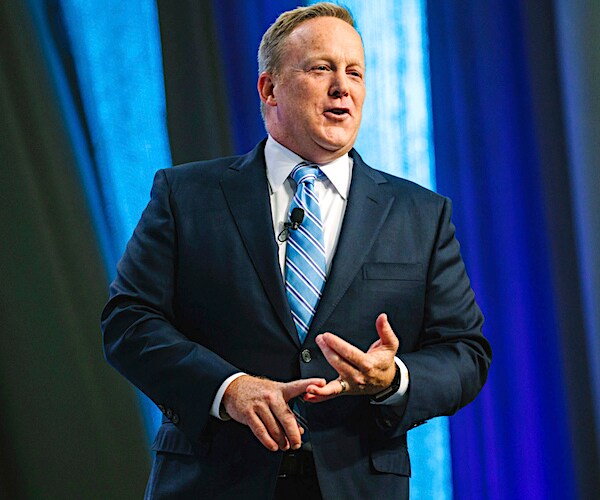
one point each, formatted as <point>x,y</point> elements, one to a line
<point>501,156</point>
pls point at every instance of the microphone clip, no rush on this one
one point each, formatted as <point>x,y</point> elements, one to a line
<point>294,223</point>
<point>285,232</point>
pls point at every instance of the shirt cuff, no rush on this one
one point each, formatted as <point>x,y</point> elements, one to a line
<point>399,397</point>
<point>214,409</point>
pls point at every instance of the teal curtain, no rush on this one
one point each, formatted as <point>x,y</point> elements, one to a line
<point>116,50</point>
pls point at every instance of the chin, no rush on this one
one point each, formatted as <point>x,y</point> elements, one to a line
<point>343,137</point>
<point>335,141</point>
<point>332,146</point>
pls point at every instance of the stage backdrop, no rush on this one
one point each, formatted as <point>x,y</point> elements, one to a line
<point>95,96</point>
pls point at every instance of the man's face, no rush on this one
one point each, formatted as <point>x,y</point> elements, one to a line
<point>314,103</point>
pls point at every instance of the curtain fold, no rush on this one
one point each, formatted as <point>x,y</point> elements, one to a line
<point>117,58</point>
<point>501,156</point>
<point>578,41</point>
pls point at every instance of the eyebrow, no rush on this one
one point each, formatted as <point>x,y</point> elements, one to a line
<point>323,57</point>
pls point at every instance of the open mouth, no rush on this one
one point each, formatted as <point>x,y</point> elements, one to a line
<point>338,111</point>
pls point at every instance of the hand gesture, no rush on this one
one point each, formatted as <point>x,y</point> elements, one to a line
<point>363,373</point>
<point>262,405</point>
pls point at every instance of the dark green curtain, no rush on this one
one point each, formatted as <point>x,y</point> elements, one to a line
<point>69,425</point>
<point>197,103</point>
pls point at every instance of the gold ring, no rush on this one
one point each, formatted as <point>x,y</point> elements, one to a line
<point>344,385</point>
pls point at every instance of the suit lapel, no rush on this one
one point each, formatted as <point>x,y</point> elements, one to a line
<point>246,190</point>
<point>367,208</point>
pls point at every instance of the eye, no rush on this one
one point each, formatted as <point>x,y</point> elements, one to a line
<point>321,67</point>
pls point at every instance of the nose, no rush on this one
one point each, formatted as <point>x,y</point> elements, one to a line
<point>339,86</point>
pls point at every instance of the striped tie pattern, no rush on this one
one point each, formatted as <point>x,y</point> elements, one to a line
<point>305,263</point>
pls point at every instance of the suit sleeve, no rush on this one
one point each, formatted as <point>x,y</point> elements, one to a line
<point>450,365</point>
<point>140,337</point>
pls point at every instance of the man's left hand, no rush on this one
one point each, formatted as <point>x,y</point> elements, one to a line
<point>360,373</point>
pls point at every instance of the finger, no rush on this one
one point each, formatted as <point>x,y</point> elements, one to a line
<point>296,388</point>
<point>261,433</point>
<point>333,388</point>
<point>330,391</point>
<point>311,398</point>
<point>287,421</point>
<point>339,364</point>
<point>385,332</point>
<point>345,350</point>
<point>273,428</point>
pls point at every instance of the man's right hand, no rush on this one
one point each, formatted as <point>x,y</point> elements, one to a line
<point>262,405</point>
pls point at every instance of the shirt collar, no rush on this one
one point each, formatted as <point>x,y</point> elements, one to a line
<point>281,161</point>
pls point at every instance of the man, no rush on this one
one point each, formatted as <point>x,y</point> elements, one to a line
<point>246,331</point>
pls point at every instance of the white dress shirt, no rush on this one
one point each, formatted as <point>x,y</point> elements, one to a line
<point>333,196</point>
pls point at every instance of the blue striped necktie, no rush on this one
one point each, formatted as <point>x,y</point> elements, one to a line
<point>305,263</point>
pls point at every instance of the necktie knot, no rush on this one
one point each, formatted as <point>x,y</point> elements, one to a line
<point>305,172</point>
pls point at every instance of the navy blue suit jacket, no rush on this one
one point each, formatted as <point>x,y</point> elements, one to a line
<point>199,296</point>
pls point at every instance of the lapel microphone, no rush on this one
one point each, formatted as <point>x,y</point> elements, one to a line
<point>295,222</point>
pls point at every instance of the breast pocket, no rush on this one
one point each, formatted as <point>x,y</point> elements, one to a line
<point>398,289</point>
<point>397,271</point>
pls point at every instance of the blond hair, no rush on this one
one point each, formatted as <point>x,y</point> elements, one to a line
<point>273,41</point>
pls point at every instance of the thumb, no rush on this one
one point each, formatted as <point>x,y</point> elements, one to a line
<point>295,388</point>
<point>385,332</point>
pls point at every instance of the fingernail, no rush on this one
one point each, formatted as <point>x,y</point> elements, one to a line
<point>296,447</point>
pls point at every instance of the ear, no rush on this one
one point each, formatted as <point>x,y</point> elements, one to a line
<point>266,88</point>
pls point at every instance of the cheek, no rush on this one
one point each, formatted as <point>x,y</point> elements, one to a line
<point>359,103</point>
<point>359,94</point>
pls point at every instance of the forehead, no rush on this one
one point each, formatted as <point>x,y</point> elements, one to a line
<point>327,35</point>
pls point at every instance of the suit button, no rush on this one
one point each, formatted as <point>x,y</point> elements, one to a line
<point>306,356</point>
<point>161,408</point>
<point>169,413</point>
<point>175,418</point>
